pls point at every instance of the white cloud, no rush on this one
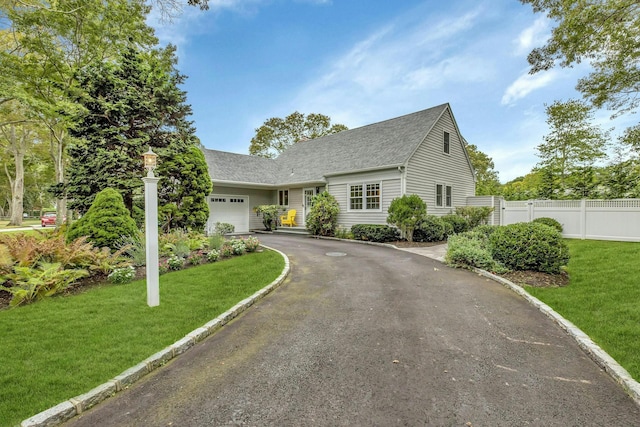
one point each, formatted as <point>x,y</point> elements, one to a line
<point>527,83</point>
<point>410,56</point>
<point>534,36</point>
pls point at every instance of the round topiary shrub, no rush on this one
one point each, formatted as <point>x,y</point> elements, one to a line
<point>459,223</point>
<point>430,229</point>
<point>529,246</point>
<point>106,222</point>
<point>550,222</point>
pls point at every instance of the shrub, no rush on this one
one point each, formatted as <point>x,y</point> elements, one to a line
<point>213,255</point>
<point>270,214</point>
<point>550,222</point>
<point>322,219</point>
<point>122,275</point>
<point>226,250</point>
<point>430,229</point>
<point>106,221</point>
<point>223,228</point>
<point>529,246</point>
<point>175,262</point>
<point>471,249</point>
<point>195,258</point>
<point>175,243</point>
<point>475,215</point>
<point>406,212</point>
<point>487,230</point>
<point>460,224</point>
<point>238,246</point>
<point>251,243</point>
<point>375,233</point>
<point>134,248</point>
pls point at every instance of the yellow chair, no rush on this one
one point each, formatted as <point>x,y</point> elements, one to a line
<point>289,219</point>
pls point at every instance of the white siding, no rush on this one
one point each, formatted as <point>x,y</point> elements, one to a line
<point>429,166</point>
<point>256,197</point>
<point>295,202</point>
<point>338,187</point>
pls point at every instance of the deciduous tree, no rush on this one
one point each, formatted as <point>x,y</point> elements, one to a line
<point>277,134</point>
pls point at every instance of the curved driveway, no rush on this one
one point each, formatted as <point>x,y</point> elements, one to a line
<point>377,337</point>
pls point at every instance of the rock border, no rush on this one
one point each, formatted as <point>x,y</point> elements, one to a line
<point>68,409</point>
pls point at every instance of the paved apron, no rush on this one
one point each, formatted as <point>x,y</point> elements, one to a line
<point>368,335</point>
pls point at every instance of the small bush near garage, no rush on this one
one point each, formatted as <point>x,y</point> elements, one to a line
<point>322,219</point>
<point>430,229</point>
<point>472,249</point>
<point>375,233</point>
<point>529,246</point>
<point>550,222</point>
<point>459,223</point>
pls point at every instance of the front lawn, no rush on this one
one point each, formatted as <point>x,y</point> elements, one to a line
<point>603,297</point>
<point>61,347</point>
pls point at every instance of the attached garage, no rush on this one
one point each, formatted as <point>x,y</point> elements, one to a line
<point>231,209</point>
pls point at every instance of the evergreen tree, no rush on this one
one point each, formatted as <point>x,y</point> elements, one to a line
<point>130,105</point>
<point>106,222</point>
<point>183,189</point>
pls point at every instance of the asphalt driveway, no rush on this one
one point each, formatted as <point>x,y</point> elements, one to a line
<point>367,335</point>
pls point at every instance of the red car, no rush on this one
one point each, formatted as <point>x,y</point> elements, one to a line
<point>48,218</point>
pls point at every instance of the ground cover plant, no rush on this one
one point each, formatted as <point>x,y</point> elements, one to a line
<point>602,297</point>
<point>64,346</point>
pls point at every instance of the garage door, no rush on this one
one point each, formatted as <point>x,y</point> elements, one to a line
<point>230,209</point>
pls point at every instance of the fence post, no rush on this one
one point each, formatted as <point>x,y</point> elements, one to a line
<point>530,210</point>
<point>583,219</point>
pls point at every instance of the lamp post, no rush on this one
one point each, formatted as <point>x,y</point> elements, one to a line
<point>151,227</point>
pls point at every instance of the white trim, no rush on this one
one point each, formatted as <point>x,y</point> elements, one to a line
<point>364,196</point>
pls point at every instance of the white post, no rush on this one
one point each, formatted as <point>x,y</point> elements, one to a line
<point>151,232</point>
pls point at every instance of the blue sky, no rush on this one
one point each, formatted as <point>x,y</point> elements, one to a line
<point>361,62</point>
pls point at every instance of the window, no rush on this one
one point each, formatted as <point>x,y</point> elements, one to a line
<point>365,196</point>
<point>446,142</point>
<point>443,195</point>
<point>283,197</point>
<point>373,196</point>
<point>355,197</point>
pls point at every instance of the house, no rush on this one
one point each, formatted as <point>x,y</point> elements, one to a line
<point>364,169</point>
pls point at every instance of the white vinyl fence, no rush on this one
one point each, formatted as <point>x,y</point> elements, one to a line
<point>581,219</point>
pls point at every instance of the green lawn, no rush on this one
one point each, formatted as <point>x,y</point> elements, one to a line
<point>25,223</point>
<point>64,346</point>
<point>603,297</point>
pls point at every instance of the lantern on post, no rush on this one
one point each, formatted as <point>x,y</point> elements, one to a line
<point>151,228</point>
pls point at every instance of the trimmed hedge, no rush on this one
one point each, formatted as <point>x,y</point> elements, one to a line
<point>529,246</point>
<point>550,222</point>
<point>430,229</point>
<point>375,233</point>
<point>471,249</point>
<point>459,224</point>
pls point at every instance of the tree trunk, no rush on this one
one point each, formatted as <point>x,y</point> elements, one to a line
<point>17,146</point>
<point>57,155</point>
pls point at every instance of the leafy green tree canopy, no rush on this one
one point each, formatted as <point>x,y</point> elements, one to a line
<point>573,142</point>
<point>605,33</point>
<point>487,182</point>
<point>277,134</point>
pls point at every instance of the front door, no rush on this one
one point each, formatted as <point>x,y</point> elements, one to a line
<point>307,201</point>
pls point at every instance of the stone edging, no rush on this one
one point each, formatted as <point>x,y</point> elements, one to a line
<point>77,405</point>
<point>593,350</point>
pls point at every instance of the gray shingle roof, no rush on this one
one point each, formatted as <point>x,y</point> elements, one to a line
<point>384,144</point>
